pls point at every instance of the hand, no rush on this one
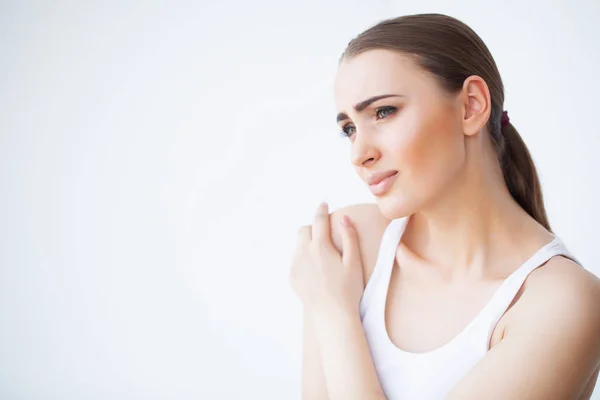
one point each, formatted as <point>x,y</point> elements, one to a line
<point>325,280</point>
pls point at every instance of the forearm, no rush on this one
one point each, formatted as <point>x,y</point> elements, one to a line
<point>346,358</point>
<point>314,386</point>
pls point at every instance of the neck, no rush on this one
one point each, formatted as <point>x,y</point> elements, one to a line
<point>473,224</point>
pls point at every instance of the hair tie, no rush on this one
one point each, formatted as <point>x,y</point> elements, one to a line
<point>504,120</point>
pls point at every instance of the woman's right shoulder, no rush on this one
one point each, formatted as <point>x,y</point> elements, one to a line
<point>370,225</point>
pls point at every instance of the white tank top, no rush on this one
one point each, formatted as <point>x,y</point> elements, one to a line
<point>431,375</point>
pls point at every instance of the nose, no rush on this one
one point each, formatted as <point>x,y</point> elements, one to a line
<point>364,151</point>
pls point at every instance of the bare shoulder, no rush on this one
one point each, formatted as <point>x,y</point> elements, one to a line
<point>566,287</point>
<point>551,347</point>
<point>560,300</point>
<point>370,225</point>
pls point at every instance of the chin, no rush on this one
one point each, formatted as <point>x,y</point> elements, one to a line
<point>393,206</point>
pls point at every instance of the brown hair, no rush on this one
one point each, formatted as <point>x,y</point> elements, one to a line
<point>451,51</point>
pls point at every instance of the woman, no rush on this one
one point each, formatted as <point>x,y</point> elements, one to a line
<point>469,294</point>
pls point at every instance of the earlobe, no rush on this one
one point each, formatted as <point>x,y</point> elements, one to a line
<point>477,105</point>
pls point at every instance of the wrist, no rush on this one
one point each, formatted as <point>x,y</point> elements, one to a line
<point>333,320</point>
<point>333,311</point>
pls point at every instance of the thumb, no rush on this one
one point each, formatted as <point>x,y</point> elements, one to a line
<point>350,249</point>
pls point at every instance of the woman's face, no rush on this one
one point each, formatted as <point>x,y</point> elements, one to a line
<point>417,132</point>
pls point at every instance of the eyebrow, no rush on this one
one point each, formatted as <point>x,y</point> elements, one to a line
<point>364,104</point>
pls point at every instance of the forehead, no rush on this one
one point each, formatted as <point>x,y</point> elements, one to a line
<point>372,73</point>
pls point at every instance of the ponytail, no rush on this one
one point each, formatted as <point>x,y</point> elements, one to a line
<point>521,175</point>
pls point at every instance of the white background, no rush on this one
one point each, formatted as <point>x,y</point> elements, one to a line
<point>156,161</point>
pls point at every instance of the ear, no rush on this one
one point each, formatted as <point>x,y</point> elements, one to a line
<point>477,105</point>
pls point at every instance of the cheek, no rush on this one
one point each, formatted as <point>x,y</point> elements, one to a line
<point>427,153</point>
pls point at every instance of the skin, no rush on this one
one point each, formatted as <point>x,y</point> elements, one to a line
<point>466,234</point>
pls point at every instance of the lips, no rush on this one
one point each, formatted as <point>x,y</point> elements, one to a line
<point>377,177</point>
<point>382,182</point>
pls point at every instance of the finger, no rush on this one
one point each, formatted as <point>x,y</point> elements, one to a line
<point>304,235</point>
<point>350,247</point>
<point>321,229</point>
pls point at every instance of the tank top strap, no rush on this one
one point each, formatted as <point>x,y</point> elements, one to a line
<point>507,291</point>
<point>380,277</point>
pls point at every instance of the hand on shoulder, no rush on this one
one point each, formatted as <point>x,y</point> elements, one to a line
<point>369,224</point>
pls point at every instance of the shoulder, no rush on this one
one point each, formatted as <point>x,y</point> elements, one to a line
<point>565,286</point>
<point>370,225</point>
<point>560,300</point>
<point>551,349</point>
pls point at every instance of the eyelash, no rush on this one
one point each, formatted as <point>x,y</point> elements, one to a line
<point>391,110</point>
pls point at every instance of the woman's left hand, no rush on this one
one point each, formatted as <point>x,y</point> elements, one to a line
<point>325,280</point>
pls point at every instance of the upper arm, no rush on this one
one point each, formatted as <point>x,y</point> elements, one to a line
<point>589,389</point>
<point>554,352</point>
<point>369,224</point>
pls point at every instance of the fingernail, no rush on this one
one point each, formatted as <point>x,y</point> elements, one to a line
<point>323,206</point>
<point>345,220</point>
